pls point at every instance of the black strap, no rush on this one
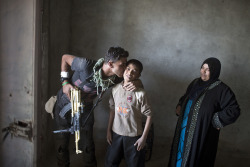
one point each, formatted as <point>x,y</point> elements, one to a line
<point>96,103</point>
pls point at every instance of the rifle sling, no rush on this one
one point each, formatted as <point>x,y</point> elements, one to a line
<point>91,111</point>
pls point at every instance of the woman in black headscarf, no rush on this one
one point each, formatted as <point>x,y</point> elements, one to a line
<point>206,107</point>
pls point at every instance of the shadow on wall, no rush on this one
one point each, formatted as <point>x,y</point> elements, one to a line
<point>94,29</point>
<point>163,92</point>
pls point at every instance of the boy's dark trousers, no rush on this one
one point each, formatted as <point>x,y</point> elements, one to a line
<point>123,147</point>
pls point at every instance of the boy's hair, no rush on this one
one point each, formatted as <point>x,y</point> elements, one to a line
<point>115,53</point>
<point>137,63</point>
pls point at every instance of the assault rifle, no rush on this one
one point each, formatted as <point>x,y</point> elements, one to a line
<point>75,116</point>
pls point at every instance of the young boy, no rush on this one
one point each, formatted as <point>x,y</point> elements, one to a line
<point>125,134</point>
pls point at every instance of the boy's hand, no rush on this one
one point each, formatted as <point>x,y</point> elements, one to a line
<point>109,137</point>
<point>141,142</point>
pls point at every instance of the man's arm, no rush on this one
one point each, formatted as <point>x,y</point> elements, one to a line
<point>141,142</point>
<point>65,63</point>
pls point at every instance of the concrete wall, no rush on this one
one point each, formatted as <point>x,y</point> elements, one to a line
<point>171,38</point>
<point>55,40</point>
<point>17,74</point>
<point>59,38</point>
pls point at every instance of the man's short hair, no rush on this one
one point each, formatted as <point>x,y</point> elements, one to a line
<point>137,63</point>
<point>115,53</point>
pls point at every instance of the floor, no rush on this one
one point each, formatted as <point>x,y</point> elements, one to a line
<point>160,154</point>
<point>159,157</point>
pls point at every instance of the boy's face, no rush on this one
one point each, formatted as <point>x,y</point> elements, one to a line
<point>131,73</point>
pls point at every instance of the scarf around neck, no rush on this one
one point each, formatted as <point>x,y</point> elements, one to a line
<point>97,77</point>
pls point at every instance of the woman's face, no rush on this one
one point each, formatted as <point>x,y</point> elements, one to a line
<point>205,73</point>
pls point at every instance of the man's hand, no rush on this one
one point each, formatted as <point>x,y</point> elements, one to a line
<point>178,110</point>
<point>133,85</point>
<point>109,137</point>
<point>66,89</point>
<point>141,142</point>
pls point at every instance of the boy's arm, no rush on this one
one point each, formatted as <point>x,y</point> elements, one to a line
<point>141,142</point>
<point>111,118</point>
<point>110,124</point>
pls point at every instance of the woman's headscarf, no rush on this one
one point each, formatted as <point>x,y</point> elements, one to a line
<point>214,68</point>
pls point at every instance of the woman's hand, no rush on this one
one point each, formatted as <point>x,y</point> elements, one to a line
<point>178,110</point>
